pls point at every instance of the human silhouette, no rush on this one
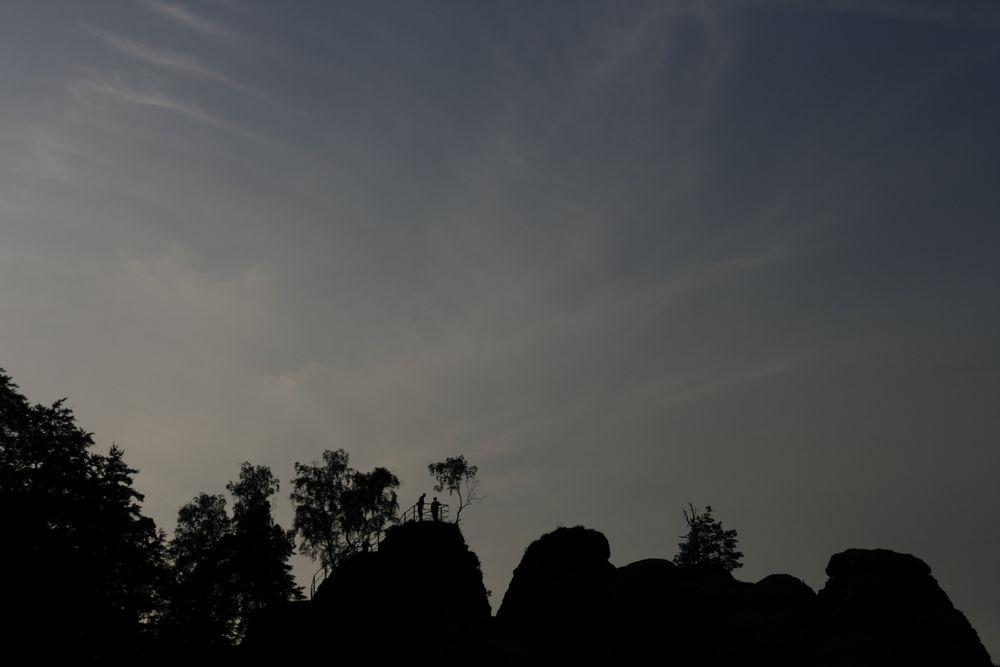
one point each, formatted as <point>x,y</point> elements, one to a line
<point>435,509</point>
<point>420,507</point>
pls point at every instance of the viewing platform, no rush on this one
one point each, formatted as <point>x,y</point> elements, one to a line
<point>412,514</point>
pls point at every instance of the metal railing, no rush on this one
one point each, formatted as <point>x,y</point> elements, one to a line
<point>412,514</point>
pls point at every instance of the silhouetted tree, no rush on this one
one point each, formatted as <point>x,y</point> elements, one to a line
<point>316,495</point>
<point>456,476</point>
<point>127,545</point>
<point>706,542</point>
<point>260,548</point>
<point>81,562</point>
<point>228,569</point>
<point>203,607</point>
<point>370,503</point>
<point>339,510</point>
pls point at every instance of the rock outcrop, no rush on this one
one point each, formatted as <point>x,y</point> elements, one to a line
<point>878,609</point>
<point>886,610</point>
<point>776,622</point>
<point>418,600</point>
<point>423,579</point>
<point>704,616</point>
<point>554,597</point>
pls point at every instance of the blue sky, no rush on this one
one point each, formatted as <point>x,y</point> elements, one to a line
<point>621,255</point>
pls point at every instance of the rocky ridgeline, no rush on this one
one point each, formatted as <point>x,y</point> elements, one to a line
<point>878,608</point>
<point>420,600</point>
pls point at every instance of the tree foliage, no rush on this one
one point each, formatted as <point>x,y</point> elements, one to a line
<point>203,607</point>
<point>707,542</point>
<point>316,494</point>
<point>260,547</point>
<point>370,503</point>
<point>456,476</point>
<point>228,569</point>
<point>82,562</point>
<point>339,510</point>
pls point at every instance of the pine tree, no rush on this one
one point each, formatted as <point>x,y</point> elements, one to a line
<point>260,547</point>
<point>707,542</point>
<point>82,563</point>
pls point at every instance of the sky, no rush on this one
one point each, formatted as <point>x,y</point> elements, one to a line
<point>621,255</point>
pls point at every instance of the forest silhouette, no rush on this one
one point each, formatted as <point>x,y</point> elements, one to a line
<point>91,579</point>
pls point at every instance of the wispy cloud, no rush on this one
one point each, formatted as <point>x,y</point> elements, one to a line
<point>627,46</point>
<point>172,60</point>
<point>710,274</point>
<point>188,19</point>
<point>154,99</point>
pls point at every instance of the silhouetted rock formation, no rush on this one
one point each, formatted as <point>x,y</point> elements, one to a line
<point>887,610</point>
<point>555,592</point>
<point>775,622</point>
<point>879,609</point>
<point>653,608</point>
<point>420,598</point>
<point>634,615</point>
<point>422,580</point>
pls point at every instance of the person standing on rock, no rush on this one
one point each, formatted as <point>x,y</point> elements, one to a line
<point>435,509</point>
<point>420,507</point>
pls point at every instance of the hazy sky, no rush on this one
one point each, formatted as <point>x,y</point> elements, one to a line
<point>622,256</point>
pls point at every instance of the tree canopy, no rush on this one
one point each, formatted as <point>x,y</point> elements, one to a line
<point>707,542</point>
<point>456,476</point>
<point>228,569</point>
<point>339,510</point>
<point>260,547</point>
<point>370,503</point>
<point>202,607</point>
<point>82,562</point>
